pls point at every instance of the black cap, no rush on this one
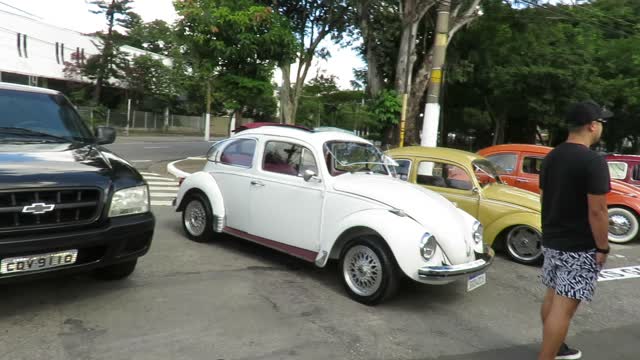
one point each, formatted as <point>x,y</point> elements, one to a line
<point>585,112</point>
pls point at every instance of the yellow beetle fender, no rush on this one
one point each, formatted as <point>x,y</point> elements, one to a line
<point>491,231</point>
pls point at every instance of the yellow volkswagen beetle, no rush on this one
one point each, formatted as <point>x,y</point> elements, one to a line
<point>510,216</point>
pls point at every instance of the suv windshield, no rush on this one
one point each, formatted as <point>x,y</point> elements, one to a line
<point>347,156</point>
<point>36,117</point>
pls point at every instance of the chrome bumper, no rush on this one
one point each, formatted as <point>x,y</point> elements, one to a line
<point>452,272</point>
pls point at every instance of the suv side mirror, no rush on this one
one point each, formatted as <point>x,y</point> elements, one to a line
<point>105,135</point>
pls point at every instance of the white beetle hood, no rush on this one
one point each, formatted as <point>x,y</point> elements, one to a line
<point>438,215</point>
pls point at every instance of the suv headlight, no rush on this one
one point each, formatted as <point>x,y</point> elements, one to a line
<point>428,246</point>
<point>477,230</point>
<point>130,201</point>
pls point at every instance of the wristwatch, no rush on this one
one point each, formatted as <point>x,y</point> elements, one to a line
<point>604,251</point>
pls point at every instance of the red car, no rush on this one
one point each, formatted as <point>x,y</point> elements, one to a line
<point>625,168</point>
<point>520,164</point>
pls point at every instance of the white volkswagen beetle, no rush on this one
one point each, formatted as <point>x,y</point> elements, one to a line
<point>322,195</point>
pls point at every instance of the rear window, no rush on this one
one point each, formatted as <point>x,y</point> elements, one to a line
<point>618,170</point>
<point>44,113</point>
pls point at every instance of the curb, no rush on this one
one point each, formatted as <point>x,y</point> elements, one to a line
<point>173,170</point>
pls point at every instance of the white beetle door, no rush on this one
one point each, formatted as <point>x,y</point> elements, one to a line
<point>284,207</point>
<point>233,174</point>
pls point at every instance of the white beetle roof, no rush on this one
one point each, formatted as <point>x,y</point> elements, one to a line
<point>317,139</point>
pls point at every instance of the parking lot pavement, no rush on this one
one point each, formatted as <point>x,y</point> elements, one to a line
<point>230,299</point>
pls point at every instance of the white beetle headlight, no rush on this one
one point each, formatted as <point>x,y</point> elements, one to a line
<point>428,246</point>
<point>130,201</point>
<point>477,230</point>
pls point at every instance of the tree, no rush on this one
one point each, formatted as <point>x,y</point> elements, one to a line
<point>517,70</point>
<point>404,41</point>
<point>156,36</point>
<point>108,63</point>
<point>311,22</point>
<point>150,77</point>
<point>226,40</point>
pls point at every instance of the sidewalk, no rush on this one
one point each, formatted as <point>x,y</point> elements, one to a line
<point>185,167</point>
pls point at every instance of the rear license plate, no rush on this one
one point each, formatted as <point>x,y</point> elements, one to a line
<point>38,262</point>
<point>476,281</point>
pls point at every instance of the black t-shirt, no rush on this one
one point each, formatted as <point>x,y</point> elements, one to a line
<point>570,172</point>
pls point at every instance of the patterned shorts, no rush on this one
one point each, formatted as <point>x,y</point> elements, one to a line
<point>571,274</point>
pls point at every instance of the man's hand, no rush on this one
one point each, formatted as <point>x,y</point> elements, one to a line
<point>601,259</point>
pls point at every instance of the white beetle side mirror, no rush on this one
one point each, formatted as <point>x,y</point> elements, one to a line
<point>310,175</point>
<point>389,161</point>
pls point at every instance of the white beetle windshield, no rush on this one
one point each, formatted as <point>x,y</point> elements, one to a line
<point>348,156</point>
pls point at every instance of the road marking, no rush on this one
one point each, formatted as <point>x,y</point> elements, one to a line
<point>156,147</point>
<point>163,195</point>
<point>162,183</point>
<point>140,160</point>
<point>149,177</point>
<point>628,272</point>
<point>163,188</point>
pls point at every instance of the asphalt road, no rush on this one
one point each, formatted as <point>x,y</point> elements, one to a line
<point>231,299</point>
<point>144,152</point>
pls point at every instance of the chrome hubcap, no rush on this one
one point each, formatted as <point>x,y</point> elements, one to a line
<point>524,243</point>
<point>195,218</point>
<point>362,270</point>
<point>619,225</point>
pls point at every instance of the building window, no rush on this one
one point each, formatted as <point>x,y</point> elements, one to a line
<point>24,45</point>
<point>19,47</point>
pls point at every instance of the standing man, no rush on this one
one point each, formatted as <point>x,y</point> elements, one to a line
<point>574,182</point>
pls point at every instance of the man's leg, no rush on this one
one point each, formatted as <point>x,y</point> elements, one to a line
<point>556,325</point>
<point>546,304</point>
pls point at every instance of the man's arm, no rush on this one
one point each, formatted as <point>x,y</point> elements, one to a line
<point>599,220</point>
<point>598,185</point>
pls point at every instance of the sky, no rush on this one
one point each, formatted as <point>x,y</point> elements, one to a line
<point>75,15</point>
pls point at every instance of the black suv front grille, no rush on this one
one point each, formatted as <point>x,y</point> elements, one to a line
<point>28,209</point>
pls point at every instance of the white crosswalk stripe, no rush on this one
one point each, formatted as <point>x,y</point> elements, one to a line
<point>163,189</point>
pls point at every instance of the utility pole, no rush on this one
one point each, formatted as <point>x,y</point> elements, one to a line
<point>207,116</point>
<point>432,108</point>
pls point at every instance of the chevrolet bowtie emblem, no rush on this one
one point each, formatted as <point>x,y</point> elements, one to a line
<point>38,208</point>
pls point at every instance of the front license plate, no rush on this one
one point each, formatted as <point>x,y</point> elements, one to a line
<point>37,262</point>
<point>476,281</point>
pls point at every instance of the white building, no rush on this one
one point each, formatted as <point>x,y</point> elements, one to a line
<point>33,52</point>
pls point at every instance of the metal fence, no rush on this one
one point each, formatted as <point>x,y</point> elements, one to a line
<point>156,122</point>
<point>143,120</point>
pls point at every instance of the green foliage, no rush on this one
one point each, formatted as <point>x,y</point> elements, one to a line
<point>526,65</point>
<point>234,45</point>
<point>386,108</point>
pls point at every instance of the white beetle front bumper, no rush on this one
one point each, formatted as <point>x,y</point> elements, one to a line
<point>454,272</point>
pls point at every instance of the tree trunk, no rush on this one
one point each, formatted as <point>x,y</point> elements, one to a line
<point>374,81</point>
<point>285,95</point>
<point>418,89</point>
<point>105,58</point>
<point>498,131</point>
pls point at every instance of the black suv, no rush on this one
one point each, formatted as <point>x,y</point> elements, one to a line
<point>66,203</point>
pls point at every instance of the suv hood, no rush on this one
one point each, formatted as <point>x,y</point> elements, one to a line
<point>512,195</point>
<point>61,165</point>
